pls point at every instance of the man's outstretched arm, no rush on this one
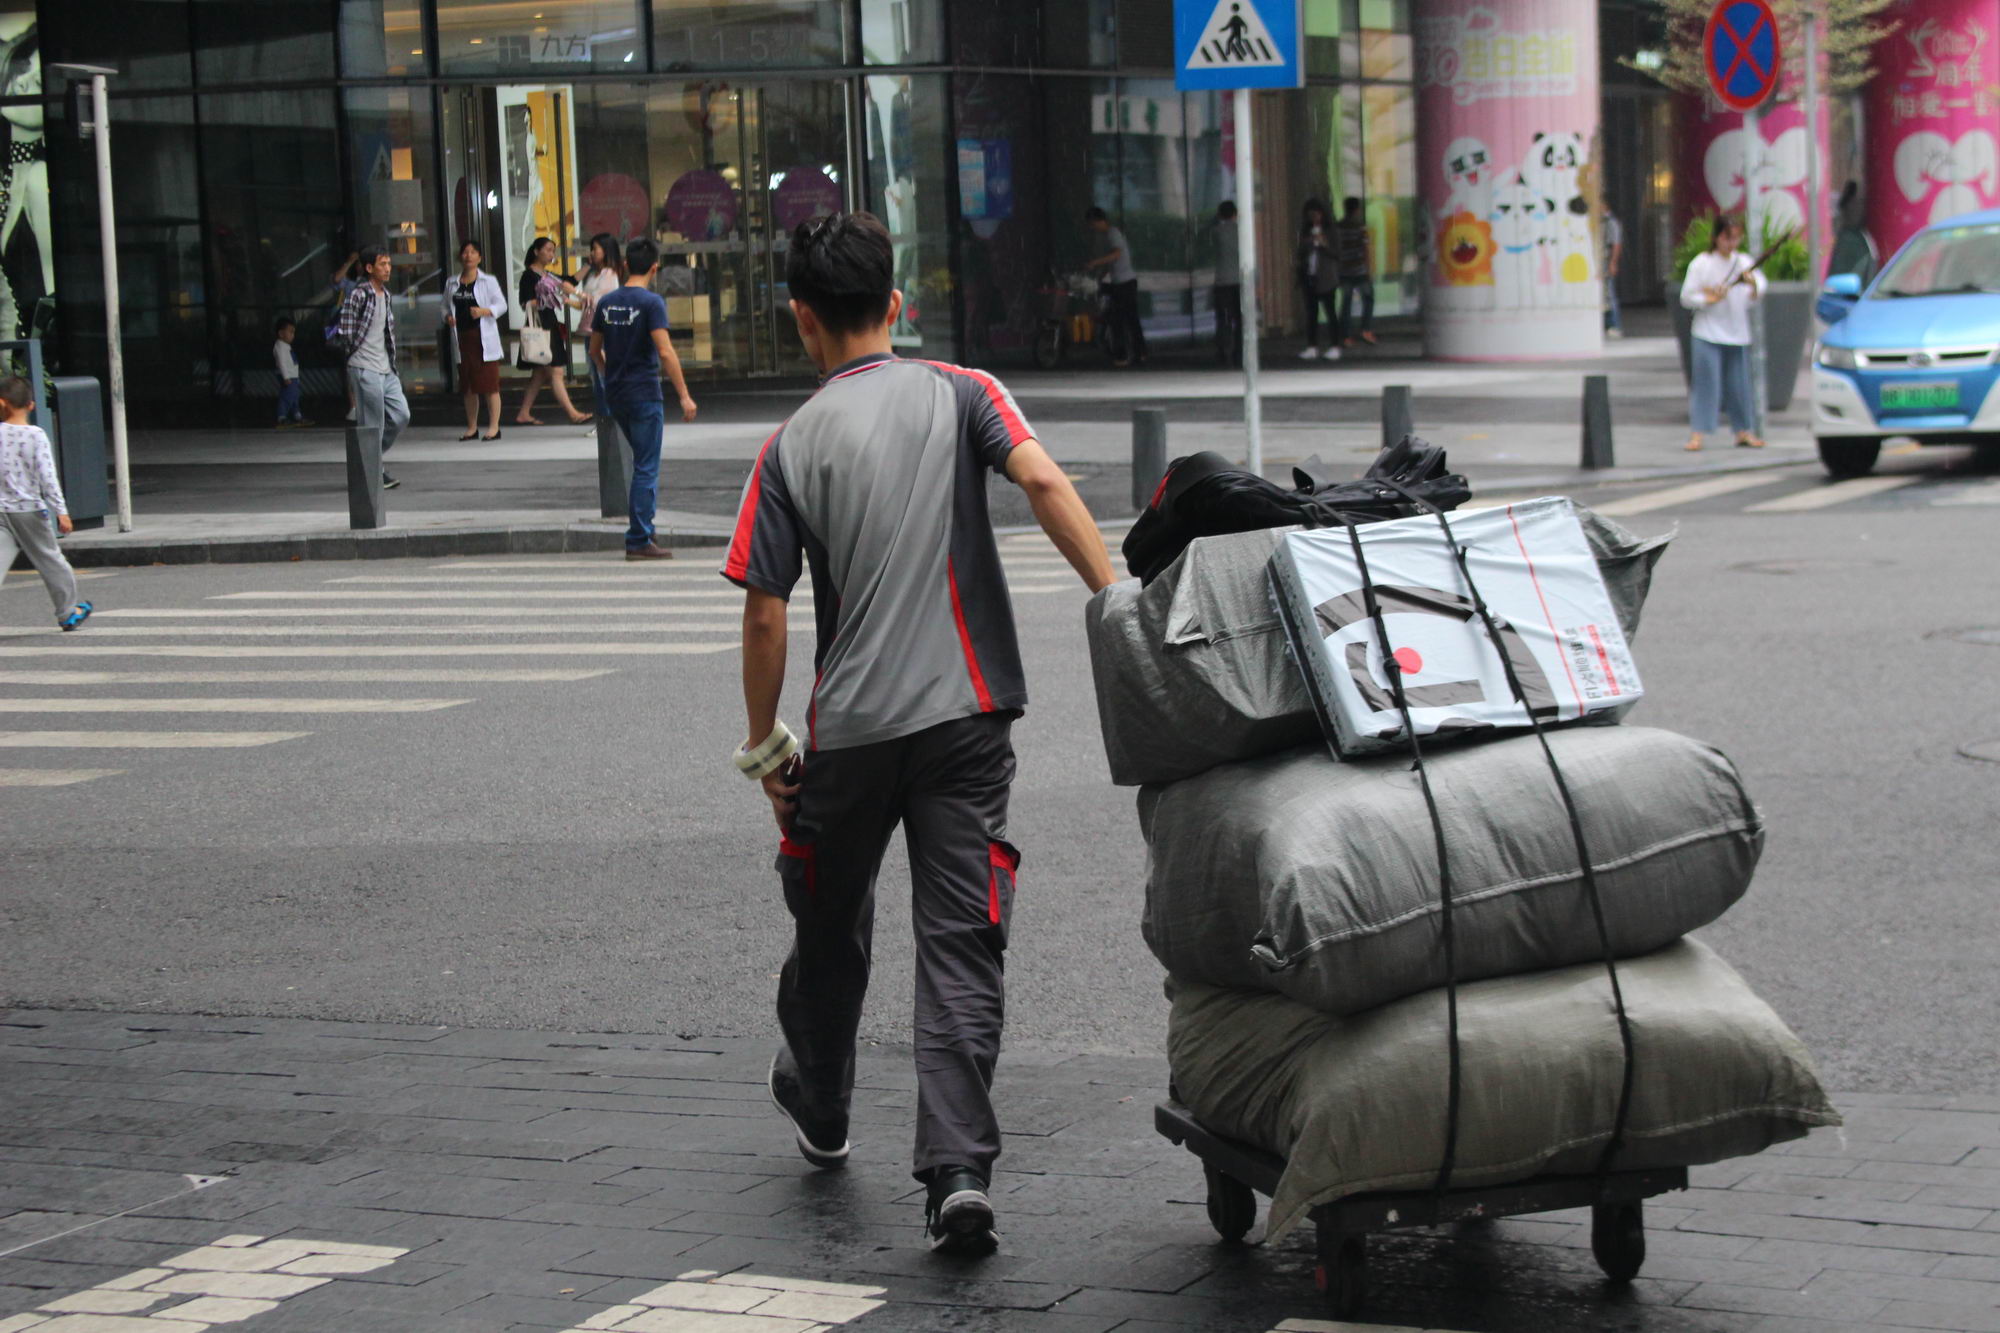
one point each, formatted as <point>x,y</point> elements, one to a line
<point>764,628</point>
<point>1061,512</point>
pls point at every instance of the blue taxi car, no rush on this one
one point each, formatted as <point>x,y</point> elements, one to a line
<point>1917,353</point>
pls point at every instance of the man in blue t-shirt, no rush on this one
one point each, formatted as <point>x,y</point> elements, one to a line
<point>631,348</point>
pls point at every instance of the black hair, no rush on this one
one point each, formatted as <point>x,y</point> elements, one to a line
<point>16,392</point>
<point>475,245</point>
<point>22,57</point>
<point>1095,214</point>
<point>1351,205</point>
<point>1226,209</point>
<point>283,322</point>
<point>1726,222</point>
<point>613,252</point>
<point>843,267</point>
<point>1306,214</point>
<point>536,249</point>
<point>369,254</point>
<point>641,254</point>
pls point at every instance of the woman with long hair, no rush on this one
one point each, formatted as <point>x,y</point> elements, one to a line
<point>603,273</point>
<point>1720,285</point>
<point>1315,265</point>
<point>473,305</point>
<point>543,298</point>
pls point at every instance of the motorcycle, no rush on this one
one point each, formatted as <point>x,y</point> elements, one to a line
<point>1076,312</point>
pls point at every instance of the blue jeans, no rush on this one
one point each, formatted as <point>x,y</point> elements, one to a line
<point>1613,319</point>
<point>644,424</point>
<point>1721,372</point>
<point>288,401</point>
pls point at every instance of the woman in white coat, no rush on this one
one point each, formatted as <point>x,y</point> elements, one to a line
<point>473,302</point>
<point>1719,288</point>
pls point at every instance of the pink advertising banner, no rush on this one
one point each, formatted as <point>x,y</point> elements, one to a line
<point>1507,115</point>
<point>1933,109</point>
<point>1758,169</point>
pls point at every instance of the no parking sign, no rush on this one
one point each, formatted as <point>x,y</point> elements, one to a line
<point>1739,49</point>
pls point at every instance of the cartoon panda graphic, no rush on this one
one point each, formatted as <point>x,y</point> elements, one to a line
<point>1553,169</point>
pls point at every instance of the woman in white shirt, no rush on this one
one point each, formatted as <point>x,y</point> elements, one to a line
<point>602,275</point>
<point>473,302</point>
<point>1719,288</point>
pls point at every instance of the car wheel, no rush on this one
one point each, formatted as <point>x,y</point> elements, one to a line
<point>1849,458</point>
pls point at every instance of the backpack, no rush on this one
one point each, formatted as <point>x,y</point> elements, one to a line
<point>1205,495</point>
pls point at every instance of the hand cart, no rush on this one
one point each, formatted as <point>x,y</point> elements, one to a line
<point>1237,1173</point>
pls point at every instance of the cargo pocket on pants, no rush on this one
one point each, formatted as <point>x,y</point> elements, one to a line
<point>798,872</point>
<point>1003,864</point>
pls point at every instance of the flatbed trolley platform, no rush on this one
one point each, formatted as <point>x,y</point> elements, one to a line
<point>1237,1173</point>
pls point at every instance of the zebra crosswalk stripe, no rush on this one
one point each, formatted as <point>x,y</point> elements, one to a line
<point>411,612</point>
<point>382,631</point>
<point>145,740</point>
<point>1833,493</point>
<point>53,777</point>
<point>488,650</point>
<point>377,676</point>
<point>227,705</point>
<point>1706,489</point>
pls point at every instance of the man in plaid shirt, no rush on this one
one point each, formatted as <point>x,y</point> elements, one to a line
<point>366,331</point>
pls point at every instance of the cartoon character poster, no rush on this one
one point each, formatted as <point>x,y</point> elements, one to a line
<point>1507,116</point>
<point>1933,108</point>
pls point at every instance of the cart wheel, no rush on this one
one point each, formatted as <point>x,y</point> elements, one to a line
<point>1232,1205</point>
<point>1618,1239</point>
<point>1342,1272</point>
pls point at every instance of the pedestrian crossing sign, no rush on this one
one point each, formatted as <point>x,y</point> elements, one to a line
<point>1222,44</point>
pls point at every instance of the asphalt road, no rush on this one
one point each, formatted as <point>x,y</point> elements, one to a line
<point>576,852</point>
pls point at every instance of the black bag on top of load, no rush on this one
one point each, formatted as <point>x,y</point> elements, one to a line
<point>1205,495</point>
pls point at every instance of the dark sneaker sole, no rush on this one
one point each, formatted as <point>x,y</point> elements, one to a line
<point>964,1226</point>
<point>819,1157</point>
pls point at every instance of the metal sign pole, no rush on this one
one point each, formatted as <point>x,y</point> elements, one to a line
<point>1246,249</point>
<point>107,232</point>
<point>1760,392</point>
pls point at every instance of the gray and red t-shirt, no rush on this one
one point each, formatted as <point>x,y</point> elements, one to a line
<point>879,482</point>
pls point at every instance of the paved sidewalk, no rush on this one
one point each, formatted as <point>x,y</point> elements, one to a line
<point>171,1174</point>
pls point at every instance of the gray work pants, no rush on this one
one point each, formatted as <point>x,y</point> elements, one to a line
<point>947,786</point>
<point>33,532</point>
<point>379,403</point>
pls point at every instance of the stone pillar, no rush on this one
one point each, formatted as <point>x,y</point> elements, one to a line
<point>1509,165</point>
<point>1933,116</point>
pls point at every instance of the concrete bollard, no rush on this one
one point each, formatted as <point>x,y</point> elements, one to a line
<point>1596,422</point>
<point>614,469</point>
<point>365,510</point>
<point>1149,453</point>
<point>1396,422</point>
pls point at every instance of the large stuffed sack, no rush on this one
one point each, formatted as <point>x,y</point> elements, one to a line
<point>1357,1105</point>
<point>1192,670</point>
<point>1319,880</point>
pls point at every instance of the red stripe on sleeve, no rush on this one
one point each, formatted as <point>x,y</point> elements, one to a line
<point>1003,402</point>
<point>979,690</point>
<point>737,566</point>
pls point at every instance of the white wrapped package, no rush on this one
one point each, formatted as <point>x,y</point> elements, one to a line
<point>1534,568</point>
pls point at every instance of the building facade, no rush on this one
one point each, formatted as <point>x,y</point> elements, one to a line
<point>258,143</point>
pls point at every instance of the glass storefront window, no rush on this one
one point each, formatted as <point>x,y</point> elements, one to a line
<point>904,119</point>
<point>1080,34</point>
<point>547,38</point>
<point>1153,200</point>
<point>1003,251</point>
<point>382,38</point>
<point>756,34</point>
<point>901,32</point>
<point>1385,39</point>
<point>1329,37</point>
<point>238,43</point>
<point>392,139</point>
<point>145,39</point>
<point>275,229</point>
<point>1389,156</point>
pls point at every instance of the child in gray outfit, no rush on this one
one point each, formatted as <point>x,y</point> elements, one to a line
<point>29,496</point>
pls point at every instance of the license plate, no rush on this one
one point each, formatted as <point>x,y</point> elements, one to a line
<point>1921,394</point>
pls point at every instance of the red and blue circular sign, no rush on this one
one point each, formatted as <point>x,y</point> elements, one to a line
<point>1739,49</point>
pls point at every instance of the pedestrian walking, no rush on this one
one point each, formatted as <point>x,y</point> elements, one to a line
<point>603,273</point>
<point>1613,233</point>
<point>1227,293</point>
<point>366,331</point>
<point>544,297</point>
<point>1720,285</point>
<point>473,304</point>
<point>289,394</point>
<point>1354,258</point>
<point>1111,253</point>
<point>631,348</point>
<point>31,499</point>
<point>879,483</point>
<point>1317,270</point>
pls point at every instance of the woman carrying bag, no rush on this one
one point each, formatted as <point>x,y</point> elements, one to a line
<point>1720,285</point>
<point>544,295</point>
<point>603,274</point>
<point>1318,271</point>
<point>473,303</point>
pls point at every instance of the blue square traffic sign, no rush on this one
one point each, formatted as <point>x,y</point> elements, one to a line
<point>1220,44</point>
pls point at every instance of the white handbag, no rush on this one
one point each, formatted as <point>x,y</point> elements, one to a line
<point>534,347</point>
